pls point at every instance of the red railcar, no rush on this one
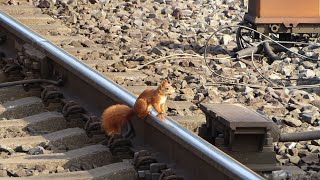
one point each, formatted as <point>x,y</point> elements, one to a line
<point>284,16</point>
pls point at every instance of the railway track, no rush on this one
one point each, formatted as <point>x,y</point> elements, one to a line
<point>55,95</point>
<point>33,18</point>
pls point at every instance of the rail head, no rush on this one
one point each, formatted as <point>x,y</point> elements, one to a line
<point>190,141</point>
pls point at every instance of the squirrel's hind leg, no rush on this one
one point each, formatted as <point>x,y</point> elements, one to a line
<point>141,108</point>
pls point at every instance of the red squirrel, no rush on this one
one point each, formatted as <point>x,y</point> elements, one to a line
<point>116,116</point>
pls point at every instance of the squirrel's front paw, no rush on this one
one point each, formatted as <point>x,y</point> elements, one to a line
<point>160,116</point>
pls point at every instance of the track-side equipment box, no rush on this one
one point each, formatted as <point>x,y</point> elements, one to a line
<point>242,133</point>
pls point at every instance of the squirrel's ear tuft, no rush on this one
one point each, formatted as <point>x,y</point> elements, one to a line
<point>165,81</point>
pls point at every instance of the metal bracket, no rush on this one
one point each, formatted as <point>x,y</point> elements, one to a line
<point>168,174</point>
<point>148,167</point>
<point>51,94</point>
<point>121,148</point>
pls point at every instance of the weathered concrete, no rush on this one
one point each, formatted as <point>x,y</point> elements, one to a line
<point>116,171</point>
<point>66,39</point>
<point>95,154</point>
<point>47,121</point>
<point>12,93</point>
<point>34,20</point>
<point>137,90</point>
<point>21,9</point>
<point>46,29</point>
<point>179,105</point>
<point>125,75</point>
<point>71,138</point>
<point>190,122</point>
<point>21,108</point>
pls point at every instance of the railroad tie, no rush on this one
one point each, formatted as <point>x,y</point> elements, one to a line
<point>95,154</point>
<point>37,123</point>
<point>71,138</point>
<point>116,171</point>
<point>34,20</point>
<point>21,9</point>
<point>13,93</point>
<point>21,108</point>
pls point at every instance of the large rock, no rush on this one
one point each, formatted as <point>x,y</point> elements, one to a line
<point>293,122</point>
<point>307,73</point>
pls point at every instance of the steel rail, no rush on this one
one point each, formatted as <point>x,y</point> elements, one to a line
<point>204,150</point>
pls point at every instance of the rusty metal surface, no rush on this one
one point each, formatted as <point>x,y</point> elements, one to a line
<point>284,8</point>
<point>287,21</point>
<point>288,16</point>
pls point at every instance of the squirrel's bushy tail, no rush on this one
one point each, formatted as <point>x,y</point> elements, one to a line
<point>115,117</point>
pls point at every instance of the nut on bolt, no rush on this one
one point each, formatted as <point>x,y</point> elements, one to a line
<point>274,28</point>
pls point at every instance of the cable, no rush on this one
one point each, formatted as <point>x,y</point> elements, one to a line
<point>267,37</point>
<point>182,56</point>
<point>191,56</point>
<point>28,81</point>
<point>166,58</point>
<point>261,74</point>
<point>252,53</point>
<point>260,86</point>
<point>299,136</point>
<point>255,66</point>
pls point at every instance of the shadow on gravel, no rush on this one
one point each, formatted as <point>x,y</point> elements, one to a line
<point>194,48</point>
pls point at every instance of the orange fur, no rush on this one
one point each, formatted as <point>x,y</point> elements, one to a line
<point>114,117</point>
<point>155,98</point>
